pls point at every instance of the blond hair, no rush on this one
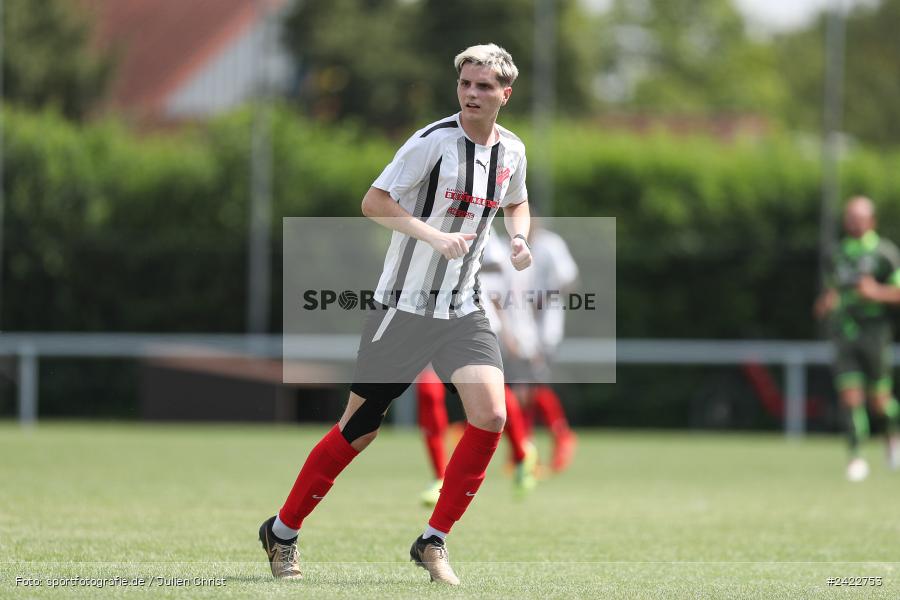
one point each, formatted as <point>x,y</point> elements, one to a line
<point>489,55</point>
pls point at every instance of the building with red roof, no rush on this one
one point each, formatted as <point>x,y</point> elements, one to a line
<point>188,59</point>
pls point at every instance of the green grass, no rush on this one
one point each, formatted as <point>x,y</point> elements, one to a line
<point>639,515</point>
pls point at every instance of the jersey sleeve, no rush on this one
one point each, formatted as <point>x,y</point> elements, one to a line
<point>410,166</point>
<point>891,257</point>
<point>517,191</point>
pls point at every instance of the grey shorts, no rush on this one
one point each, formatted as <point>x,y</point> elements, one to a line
<point>866,361</point>
<point>396,346</point>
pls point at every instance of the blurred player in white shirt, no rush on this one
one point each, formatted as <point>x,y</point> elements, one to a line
<point>553,268</point>
<point>494,279</point>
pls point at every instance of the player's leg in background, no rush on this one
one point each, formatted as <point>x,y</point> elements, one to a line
<point>851,366</point>
<point>515,425</point>
<point>431,395</point>
<point>882,392</point>
<point>885,406</point>
<point>524,454</point>
<point>850,387</point>
<point>529,410</point>
<point>551,411</point>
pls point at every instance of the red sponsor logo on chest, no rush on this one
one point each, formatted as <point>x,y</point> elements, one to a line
<point>456,212</point>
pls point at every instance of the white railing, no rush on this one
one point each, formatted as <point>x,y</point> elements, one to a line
<point>28,348</point>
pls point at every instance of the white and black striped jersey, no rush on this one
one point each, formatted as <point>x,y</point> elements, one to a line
<point>455,185</point>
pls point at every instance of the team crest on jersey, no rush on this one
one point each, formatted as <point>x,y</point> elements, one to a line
<point>502,174</point>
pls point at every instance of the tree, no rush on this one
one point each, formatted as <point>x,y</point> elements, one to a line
<point>687,56</point>
<point>358,59</point>
<point>47,58</point>
<point>446,28</point>
<point>872,80</point>
<point>389,62</point>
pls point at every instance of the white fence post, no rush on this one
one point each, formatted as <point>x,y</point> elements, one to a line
<point>795,410</point>
<point>28,386</point>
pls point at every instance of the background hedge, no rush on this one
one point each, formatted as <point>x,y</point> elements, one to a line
<point>107,230</point>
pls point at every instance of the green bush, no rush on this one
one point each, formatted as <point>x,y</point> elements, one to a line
<point>110,230</point>
<point>714,240</point>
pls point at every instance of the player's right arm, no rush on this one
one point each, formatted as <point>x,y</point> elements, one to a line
<point>825,303</point>
<point>379,206</point>
<point>829,299</point>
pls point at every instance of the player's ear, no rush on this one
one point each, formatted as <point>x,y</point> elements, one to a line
<point>507,92</point>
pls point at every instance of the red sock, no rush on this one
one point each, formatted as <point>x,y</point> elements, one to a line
<point>433,419</point>
<point>465,472</point>
<point>528,416</point>
<point>515,427</point>
<point>551,410</point>
<point>326,461</point>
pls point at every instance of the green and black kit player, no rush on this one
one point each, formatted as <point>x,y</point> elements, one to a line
<point>862,332</point>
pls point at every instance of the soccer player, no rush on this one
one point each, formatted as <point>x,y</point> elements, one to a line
<point>530,332</point>
<point>439,195</point>
<point>553,269</point>
<point>864,277</point>
<point>430,392</point>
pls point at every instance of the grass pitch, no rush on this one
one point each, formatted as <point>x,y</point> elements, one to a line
<point>639,515</point>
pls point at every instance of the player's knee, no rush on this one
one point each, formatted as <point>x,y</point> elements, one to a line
<point>491,420</point>
<point>498,421</point>
<point>360,443</point>
<point>358,439</point>
<point>363,424</point>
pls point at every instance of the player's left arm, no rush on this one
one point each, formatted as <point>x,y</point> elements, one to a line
<point>884,293</point>
<point>888,292</point>
<point>517,218</point>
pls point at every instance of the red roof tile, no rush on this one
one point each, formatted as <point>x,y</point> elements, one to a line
<point>161,43</point>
